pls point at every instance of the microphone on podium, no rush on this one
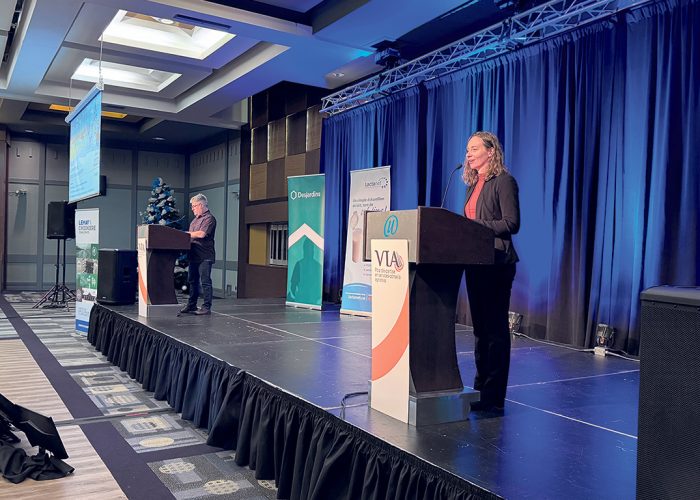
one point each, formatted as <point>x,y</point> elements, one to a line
<point>442,203</point>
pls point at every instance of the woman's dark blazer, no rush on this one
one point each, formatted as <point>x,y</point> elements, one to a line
<point>498,208</point>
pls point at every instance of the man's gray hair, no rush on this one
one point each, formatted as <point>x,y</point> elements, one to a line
<point>199,198</point>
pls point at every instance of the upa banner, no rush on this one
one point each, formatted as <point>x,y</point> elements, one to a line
<point>390,328</point>
<point>370,191</point>
<point>87,250</point>
<point>306,201</point>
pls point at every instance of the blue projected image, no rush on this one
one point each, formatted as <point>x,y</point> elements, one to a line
<point>85,125</point>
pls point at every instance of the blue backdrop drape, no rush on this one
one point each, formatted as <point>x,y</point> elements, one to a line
<point>599,128</point>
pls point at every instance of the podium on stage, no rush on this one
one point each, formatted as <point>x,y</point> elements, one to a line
<point>440,243</point>
<point>158,248</point>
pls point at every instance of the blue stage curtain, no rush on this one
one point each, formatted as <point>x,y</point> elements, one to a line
<point>378,134</point>
<point>600,129</point>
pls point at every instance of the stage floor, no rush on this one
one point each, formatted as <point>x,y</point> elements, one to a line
<point>570,424</point>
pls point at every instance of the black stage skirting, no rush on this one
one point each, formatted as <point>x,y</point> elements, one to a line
<point>309,452</point>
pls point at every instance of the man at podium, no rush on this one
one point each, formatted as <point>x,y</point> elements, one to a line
<point>492,201</point>
<point>202,256</point>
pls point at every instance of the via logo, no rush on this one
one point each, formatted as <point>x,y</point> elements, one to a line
<point>391,225</point>
<point>386,260</point>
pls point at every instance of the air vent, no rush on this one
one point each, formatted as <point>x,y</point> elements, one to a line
<point>201,22</point>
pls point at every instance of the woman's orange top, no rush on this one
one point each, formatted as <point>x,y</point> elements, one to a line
<point>470,206</point>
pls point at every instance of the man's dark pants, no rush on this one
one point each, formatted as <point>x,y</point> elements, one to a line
<point>200,272</point>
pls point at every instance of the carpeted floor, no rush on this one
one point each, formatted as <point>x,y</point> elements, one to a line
<point>162,452</point>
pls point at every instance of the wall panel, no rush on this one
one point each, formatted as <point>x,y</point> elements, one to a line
<point>22,217</point>
<point>25,160</point>
<point>208,166</point>
<point>169,166</point>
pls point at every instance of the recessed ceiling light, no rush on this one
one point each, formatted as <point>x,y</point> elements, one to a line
<point>124,75</point>
<point>29,130</point>
<point>163,35</point>
<point>337,74</point>
<point>159,138</point>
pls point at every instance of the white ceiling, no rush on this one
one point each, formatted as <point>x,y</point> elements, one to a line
<point>54,36</point>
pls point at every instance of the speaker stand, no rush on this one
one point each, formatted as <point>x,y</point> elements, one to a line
<point>59,295</point>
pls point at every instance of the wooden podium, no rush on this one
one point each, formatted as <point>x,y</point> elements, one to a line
<point>158,249</point>
<point>440,243</point>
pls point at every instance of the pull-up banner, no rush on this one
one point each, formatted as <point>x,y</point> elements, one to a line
<point>87,250</point>
<point>306,202</point>
<point>390,328</point>
<point>370,191</point>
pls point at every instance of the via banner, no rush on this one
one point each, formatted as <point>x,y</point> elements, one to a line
<point>390,328</point>
<point>370,191</point>
<point>87,250</point>
<point>306,201</point>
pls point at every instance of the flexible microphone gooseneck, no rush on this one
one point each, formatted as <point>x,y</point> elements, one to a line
<point>442,204</point>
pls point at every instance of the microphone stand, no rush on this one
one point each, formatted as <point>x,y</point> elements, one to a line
<point>447,189</point>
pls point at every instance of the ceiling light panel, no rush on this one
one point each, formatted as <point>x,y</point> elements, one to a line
<point>123,75</point>
<point>156,34</point>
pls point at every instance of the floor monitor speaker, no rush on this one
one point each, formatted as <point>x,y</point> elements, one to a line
<point>116,276</point>
<point>668,447</point>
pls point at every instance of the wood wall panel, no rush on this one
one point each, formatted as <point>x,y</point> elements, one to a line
<point>296,133</point>
<point>313,162</point>
<point>276,97</point>
<point>276,179</point>
<point>258,110</point>
<point>285,118</point>
<point>276,139</point>
<point>258,182</point>
<point>259,145</point>
<point>293,165</point>
<point>257,244</point>
<point>313,128</point>
<point>266,281</point>
<point>267,212</point>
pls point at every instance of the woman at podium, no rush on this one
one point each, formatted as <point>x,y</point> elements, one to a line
<point>492,201</point>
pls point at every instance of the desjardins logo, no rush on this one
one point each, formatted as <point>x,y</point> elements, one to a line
<point>304,194</point>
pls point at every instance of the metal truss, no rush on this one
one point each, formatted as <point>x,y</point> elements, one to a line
<point>530,27</point>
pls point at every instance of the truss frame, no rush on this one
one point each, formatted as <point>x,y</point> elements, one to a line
<point>530,27</point>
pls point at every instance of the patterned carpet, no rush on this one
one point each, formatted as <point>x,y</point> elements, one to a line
<point>151,429</point>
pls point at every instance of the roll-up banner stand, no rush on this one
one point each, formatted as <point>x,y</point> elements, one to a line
<point>306,202</point>
<point>370,190</point>
<point>87,250</point>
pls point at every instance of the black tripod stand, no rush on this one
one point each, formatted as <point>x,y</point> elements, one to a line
<point>59,295</point>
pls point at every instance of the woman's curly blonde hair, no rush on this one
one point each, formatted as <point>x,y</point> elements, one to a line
<point>496,165</point>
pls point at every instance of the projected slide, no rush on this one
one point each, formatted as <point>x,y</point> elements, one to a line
<point>85,124</point>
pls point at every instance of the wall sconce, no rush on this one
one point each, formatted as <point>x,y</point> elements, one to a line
<point>515,320</point>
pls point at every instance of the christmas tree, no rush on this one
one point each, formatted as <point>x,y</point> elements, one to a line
<point>161,206</point>
<point>161,210</point>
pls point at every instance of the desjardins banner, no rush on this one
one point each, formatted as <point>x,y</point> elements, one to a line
<point>306,202</point>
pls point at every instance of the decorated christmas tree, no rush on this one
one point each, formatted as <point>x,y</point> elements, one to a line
<point>161,210</point>
<point>161,206</point>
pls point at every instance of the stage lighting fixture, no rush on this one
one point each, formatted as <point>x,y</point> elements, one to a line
<point>604,335</point>
<point>515,320</point>
<point>388,57</point>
